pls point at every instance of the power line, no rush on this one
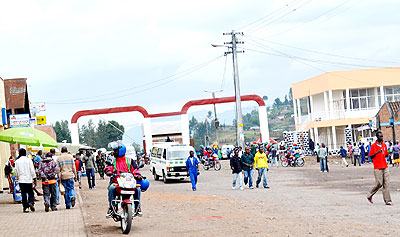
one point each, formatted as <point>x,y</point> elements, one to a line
<point>270,15</point>
<point>139,86</point>
<point>312,19</point>
<point>187,72</point>
<point>277,19</point>
<point>323,53</point>
<point>223,76</point>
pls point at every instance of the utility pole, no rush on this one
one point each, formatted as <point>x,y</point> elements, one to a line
<point>216,122</point>
<point>238,104</point>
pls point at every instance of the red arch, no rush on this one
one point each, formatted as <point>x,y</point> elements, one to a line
<point>222,100</point>
<point>82,113</point>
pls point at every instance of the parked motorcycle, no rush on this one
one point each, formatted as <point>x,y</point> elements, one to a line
<point>292,161</point>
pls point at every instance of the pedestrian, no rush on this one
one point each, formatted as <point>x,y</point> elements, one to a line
<point>192,166</point>
<point>261,165</point>
<point>100,160</point>
<point>78,167</point>
<point>67,176</point>
<point>247,161</point>
<point>396,151</point>
<point>369,150</point>
<point>274,155</point>
<point>343,154</point>
<point>378,154</point>
<point>350,149</point>
<point>356,154</point>
<point>8,171</point>
<point>25,173</point>
<point>89,161</point>
<point>322,153</point>
<point>362,150</point>
<point>36,162</point>
<point>236,167</point>
<point>311,146</point>
<point>317,149</point>
<point>55,157</point>
<point>48,172</point>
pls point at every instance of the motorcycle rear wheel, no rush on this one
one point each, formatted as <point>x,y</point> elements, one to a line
<point>205,167</point>
<point>126,220</point>
<point>300,162</point>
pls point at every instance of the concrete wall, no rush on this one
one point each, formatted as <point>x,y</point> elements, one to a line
<point>4,147</point>
<point>387,131</point>
<point>318,103</point>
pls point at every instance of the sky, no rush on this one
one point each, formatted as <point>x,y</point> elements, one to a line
<point>91,54</point>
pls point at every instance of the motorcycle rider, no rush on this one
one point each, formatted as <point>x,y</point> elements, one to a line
<point>122,164</point>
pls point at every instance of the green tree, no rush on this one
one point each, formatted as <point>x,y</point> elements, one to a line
<point>265,97</point>
<point>88,134</point>
<point>62,131</point>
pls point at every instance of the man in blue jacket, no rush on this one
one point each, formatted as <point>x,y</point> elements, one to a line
<point>192,165</point>
<point>343,154</point>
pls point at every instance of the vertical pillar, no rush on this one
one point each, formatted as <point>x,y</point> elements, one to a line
<point>185,129</point>
<point>326,105</point>
<point>263,117</point>
<point>148,138</point>
<point>382,95</point>
<point>331,110</point>
<point>295,112</point>
<point>316,138</point>
<point>311,108</point>
<point>329,135</point>
<point>334,138</point>
<point>74,133</point>
<point>308,108</point>
<point>347,100</point>
<point>376,98</point>
<point>299,110</point>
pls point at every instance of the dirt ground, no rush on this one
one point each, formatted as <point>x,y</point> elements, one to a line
<point>300,202</point>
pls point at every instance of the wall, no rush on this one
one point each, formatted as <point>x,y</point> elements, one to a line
<point>384,116</point>
<point>318,103</point>
<point>4,147</point>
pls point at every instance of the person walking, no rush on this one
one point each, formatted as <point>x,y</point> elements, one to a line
<point>89,161</point>
<point>322,154</point>
<point>236,167</point>
<point>100,160</point>
<point>343,154</point>
<point>378,154</point>
<point>78,167</point>
<point>274,155</point>
<point>48,172</point>
<point>55,157</point>
<point>192,166</point>
<point>26,175</point>
<point>317,149</point>
<point>261,165</point>
<point>368,152</point>
<point>67,176</point>
<point>8,171</point>
<point>396,151</point>
<point>362,150</point>
<point>350,149</point>
<point>247,161</point>
<point>311,146</point>
<point>356,155</point>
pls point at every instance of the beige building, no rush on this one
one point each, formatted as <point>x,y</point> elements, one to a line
<point>337,107</point>
<point>4,147</point>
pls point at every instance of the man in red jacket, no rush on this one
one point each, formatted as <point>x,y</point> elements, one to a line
<point>381,171</point>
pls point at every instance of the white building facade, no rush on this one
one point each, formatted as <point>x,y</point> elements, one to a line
<point>336,107</point>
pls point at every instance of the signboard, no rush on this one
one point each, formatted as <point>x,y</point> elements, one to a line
<point>38,107</point>
<point>41,120</point>
<point>3,116</point>
<point>33,121</point>
<point>19,120</point>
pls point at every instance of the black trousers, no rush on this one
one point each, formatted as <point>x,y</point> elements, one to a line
<point>27,189</point>
<point>357,157</point>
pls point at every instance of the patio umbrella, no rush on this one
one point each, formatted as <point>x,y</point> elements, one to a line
<point>27,136</point>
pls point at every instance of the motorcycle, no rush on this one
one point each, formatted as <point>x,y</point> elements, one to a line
<point>123,208</point>
<point>213,162</point>
<point>297,160</point>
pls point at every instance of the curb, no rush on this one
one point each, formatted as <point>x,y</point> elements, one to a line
<point>84,214</point>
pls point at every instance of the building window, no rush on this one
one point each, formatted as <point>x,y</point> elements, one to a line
<point>392,93</point>
<point>362,99</point>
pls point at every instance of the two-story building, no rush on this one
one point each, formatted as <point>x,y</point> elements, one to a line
<point>336,107</point>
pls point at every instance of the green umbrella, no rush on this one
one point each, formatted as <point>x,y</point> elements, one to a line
<point>27,136</point>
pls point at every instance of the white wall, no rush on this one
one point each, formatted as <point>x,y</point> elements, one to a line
<point>318,103</point>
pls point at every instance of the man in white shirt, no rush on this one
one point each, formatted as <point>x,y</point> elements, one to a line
<point>26,175</point>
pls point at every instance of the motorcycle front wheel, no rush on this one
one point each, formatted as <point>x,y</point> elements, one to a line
<point>285,163</point>
<point>217,166</point>
<point>300,162</point>
<point>126,219</point>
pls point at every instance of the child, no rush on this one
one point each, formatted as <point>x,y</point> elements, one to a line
<point>48,172</point>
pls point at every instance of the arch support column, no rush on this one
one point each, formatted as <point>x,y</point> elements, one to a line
<point>185,129</point>
<point>74,133</point>
<point>263,117</point>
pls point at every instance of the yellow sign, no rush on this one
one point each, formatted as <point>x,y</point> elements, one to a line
<point>240,124</point>
<point>41,120</point>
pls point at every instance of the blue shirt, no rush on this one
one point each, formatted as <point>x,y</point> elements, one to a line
<point>343,152</point>
<point>192,167</point>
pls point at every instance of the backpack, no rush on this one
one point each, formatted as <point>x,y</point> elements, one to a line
<point>8,169</point>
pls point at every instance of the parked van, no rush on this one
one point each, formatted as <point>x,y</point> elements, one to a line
<point>168,160</point>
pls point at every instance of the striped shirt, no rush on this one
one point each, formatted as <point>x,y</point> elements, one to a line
<point>66,164</point>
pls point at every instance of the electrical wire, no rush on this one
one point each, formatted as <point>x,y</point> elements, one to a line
<point>187,72</point>
<point>119,130</point>
<point>279,18</point>
<point>223,75</point>
<point>323,53</point>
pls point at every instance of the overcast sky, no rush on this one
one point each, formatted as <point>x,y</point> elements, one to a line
<point>95,54</point>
